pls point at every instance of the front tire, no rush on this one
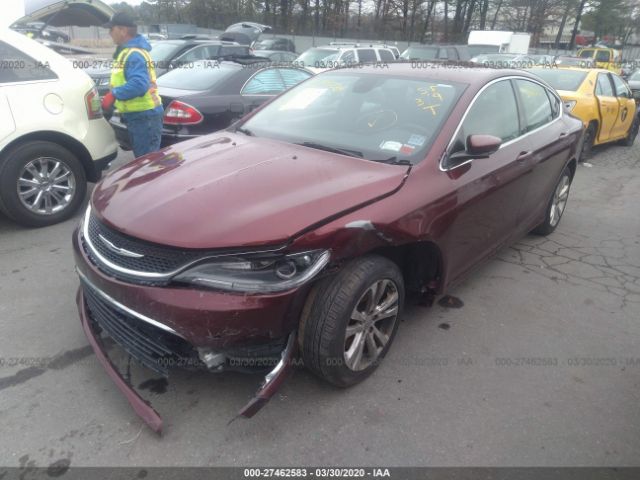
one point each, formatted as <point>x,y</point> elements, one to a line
<point>556,205</point>
<point>41,183</point>
<point>352,320</point>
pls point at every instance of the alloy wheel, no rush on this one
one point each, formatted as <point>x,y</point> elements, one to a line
<point>46,186</point>
<point>559,201</point>
<point>371,324</point>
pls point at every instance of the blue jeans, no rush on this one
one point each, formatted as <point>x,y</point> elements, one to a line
<point>145,132</point>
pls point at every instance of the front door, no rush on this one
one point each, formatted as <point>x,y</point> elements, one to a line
<point>626,107</point>
<point>608,106</point>
<point>489,190</point>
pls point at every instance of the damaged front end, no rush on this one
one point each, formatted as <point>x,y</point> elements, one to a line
<point>159,348</point>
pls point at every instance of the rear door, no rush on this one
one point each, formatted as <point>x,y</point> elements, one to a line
<point>626,107</point>
<point>550,146</point>
<point>608,106</point>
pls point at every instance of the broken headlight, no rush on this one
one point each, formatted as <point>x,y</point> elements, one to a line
<point>259,274</point>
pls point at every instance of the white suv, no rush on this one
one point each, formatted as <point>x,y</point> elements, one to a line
<point>53,137</point>
<point>319,59</point>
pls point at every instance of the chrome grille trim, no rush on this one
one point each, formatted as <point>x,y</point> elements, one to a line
<point>153,276</point>
<point>118,305</point>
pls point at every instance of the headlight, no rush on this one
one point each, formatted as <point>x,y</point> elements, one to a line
<point>257,274</point>
<point>569,105</point>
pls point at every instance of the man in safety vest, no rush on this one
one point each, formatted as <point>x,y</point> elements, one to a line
<point>134,92</point>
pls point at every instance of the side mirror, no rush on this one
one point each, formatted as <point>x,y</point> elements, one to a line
<point>478,146</point>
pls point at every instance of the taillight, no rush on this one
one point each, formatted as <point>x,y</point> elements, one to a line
<point>180,113</point>
<point>92,101</point>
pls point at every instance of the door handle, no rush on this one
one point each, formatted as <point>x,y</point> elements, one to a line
<point>522,156</point>
<point>563,134</point>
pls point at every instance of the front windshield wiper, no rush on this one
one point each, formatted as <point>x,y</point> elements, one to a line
<point>246,131</point>
<point>327,148</point>
<point>394,161</point>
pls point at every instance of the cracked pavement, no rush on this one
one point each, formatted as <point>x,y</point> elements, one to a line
<point>534,362</point>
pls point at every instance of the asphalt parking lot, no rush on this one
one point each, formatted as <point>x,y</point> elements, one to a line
<point>535,362</point>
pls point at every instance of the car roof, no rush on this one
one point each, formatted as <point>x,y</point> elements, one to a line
<point>196,41</point>
<point>461,74</point>
<point>578,69</point>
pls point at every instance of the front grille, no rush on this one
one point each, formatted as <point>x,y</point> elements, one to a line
<point>150,345</point>
<point>156,258</point>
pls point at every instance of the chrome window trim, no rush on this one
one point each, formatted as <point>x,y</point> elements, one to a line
<point>153,275</point>
<point>124,308</point>
<point>473,101</point>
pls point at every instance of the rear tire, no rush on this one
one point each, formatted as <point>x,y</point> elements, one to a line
<point>556,205</point>
<point>633,132</point>
<point>587,142</point>
<point>41,183</point>
<point>352,321</point>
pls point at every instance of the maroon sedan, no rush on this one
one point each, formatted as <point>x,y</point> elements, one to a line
<point>302,229</point>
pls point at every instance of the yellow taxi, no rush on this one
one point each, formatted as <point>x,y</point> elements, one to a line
<point>607,58</point>
<point>598,97</point>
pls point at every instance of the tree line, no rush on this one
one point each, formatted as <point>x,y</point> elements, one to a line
<point>424,21</point>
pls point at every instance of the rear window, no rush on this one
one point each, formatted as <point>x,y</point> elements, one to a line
<point>386,56</point>
<point>475,50</point>
<point>367,55</point>
<point>273,81</point>
<point>234,50</point>
<point>412,53</point>
<point>197,76</point>
<point>315,56</point>
<point>16,66</point>
<point>163,52</point>
<point>561,79</point>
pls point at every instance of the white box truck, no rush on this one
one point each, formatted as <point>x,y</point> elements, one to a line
<point>496,41</point>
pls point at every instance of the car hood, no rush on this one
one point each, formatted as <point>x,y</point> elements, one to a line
<point>228,190</point>
<point>64,13</point>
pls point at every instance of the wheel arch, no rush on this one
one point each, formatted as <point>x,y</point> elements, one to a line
<point>421,263</point>
<point>70,143</point>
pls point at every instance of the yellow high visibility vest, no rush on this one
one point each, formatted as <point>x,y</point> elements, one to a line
<point>150,99</point>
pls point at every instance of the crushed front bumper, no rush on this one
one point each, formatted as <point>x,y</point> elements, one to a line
<point>273,380</point>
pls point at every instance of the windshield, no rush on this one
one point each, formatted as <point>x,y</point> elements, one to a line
<point>373,116</point>
<point>197,76</point>
<point>420,53</point>
<point>316,55</point>
<point>475,50</point>
<point>163,52</point>
<point>586,54</point>
<point>561,79</point>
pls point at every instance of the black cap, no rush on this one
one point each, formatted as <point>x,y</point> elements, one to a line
<point>120,19</point>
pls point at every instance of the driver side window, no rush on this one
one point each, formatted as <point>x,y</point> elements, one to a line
<point>493,113</point>
<point>603,86</point>
<point>621,87</point>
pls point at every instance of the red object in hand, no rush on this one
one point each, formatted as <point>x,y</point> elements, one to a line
<point>107,101</point>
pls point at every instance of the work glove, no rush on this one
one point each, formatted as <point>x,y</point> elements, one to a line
<point>107,105</point>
